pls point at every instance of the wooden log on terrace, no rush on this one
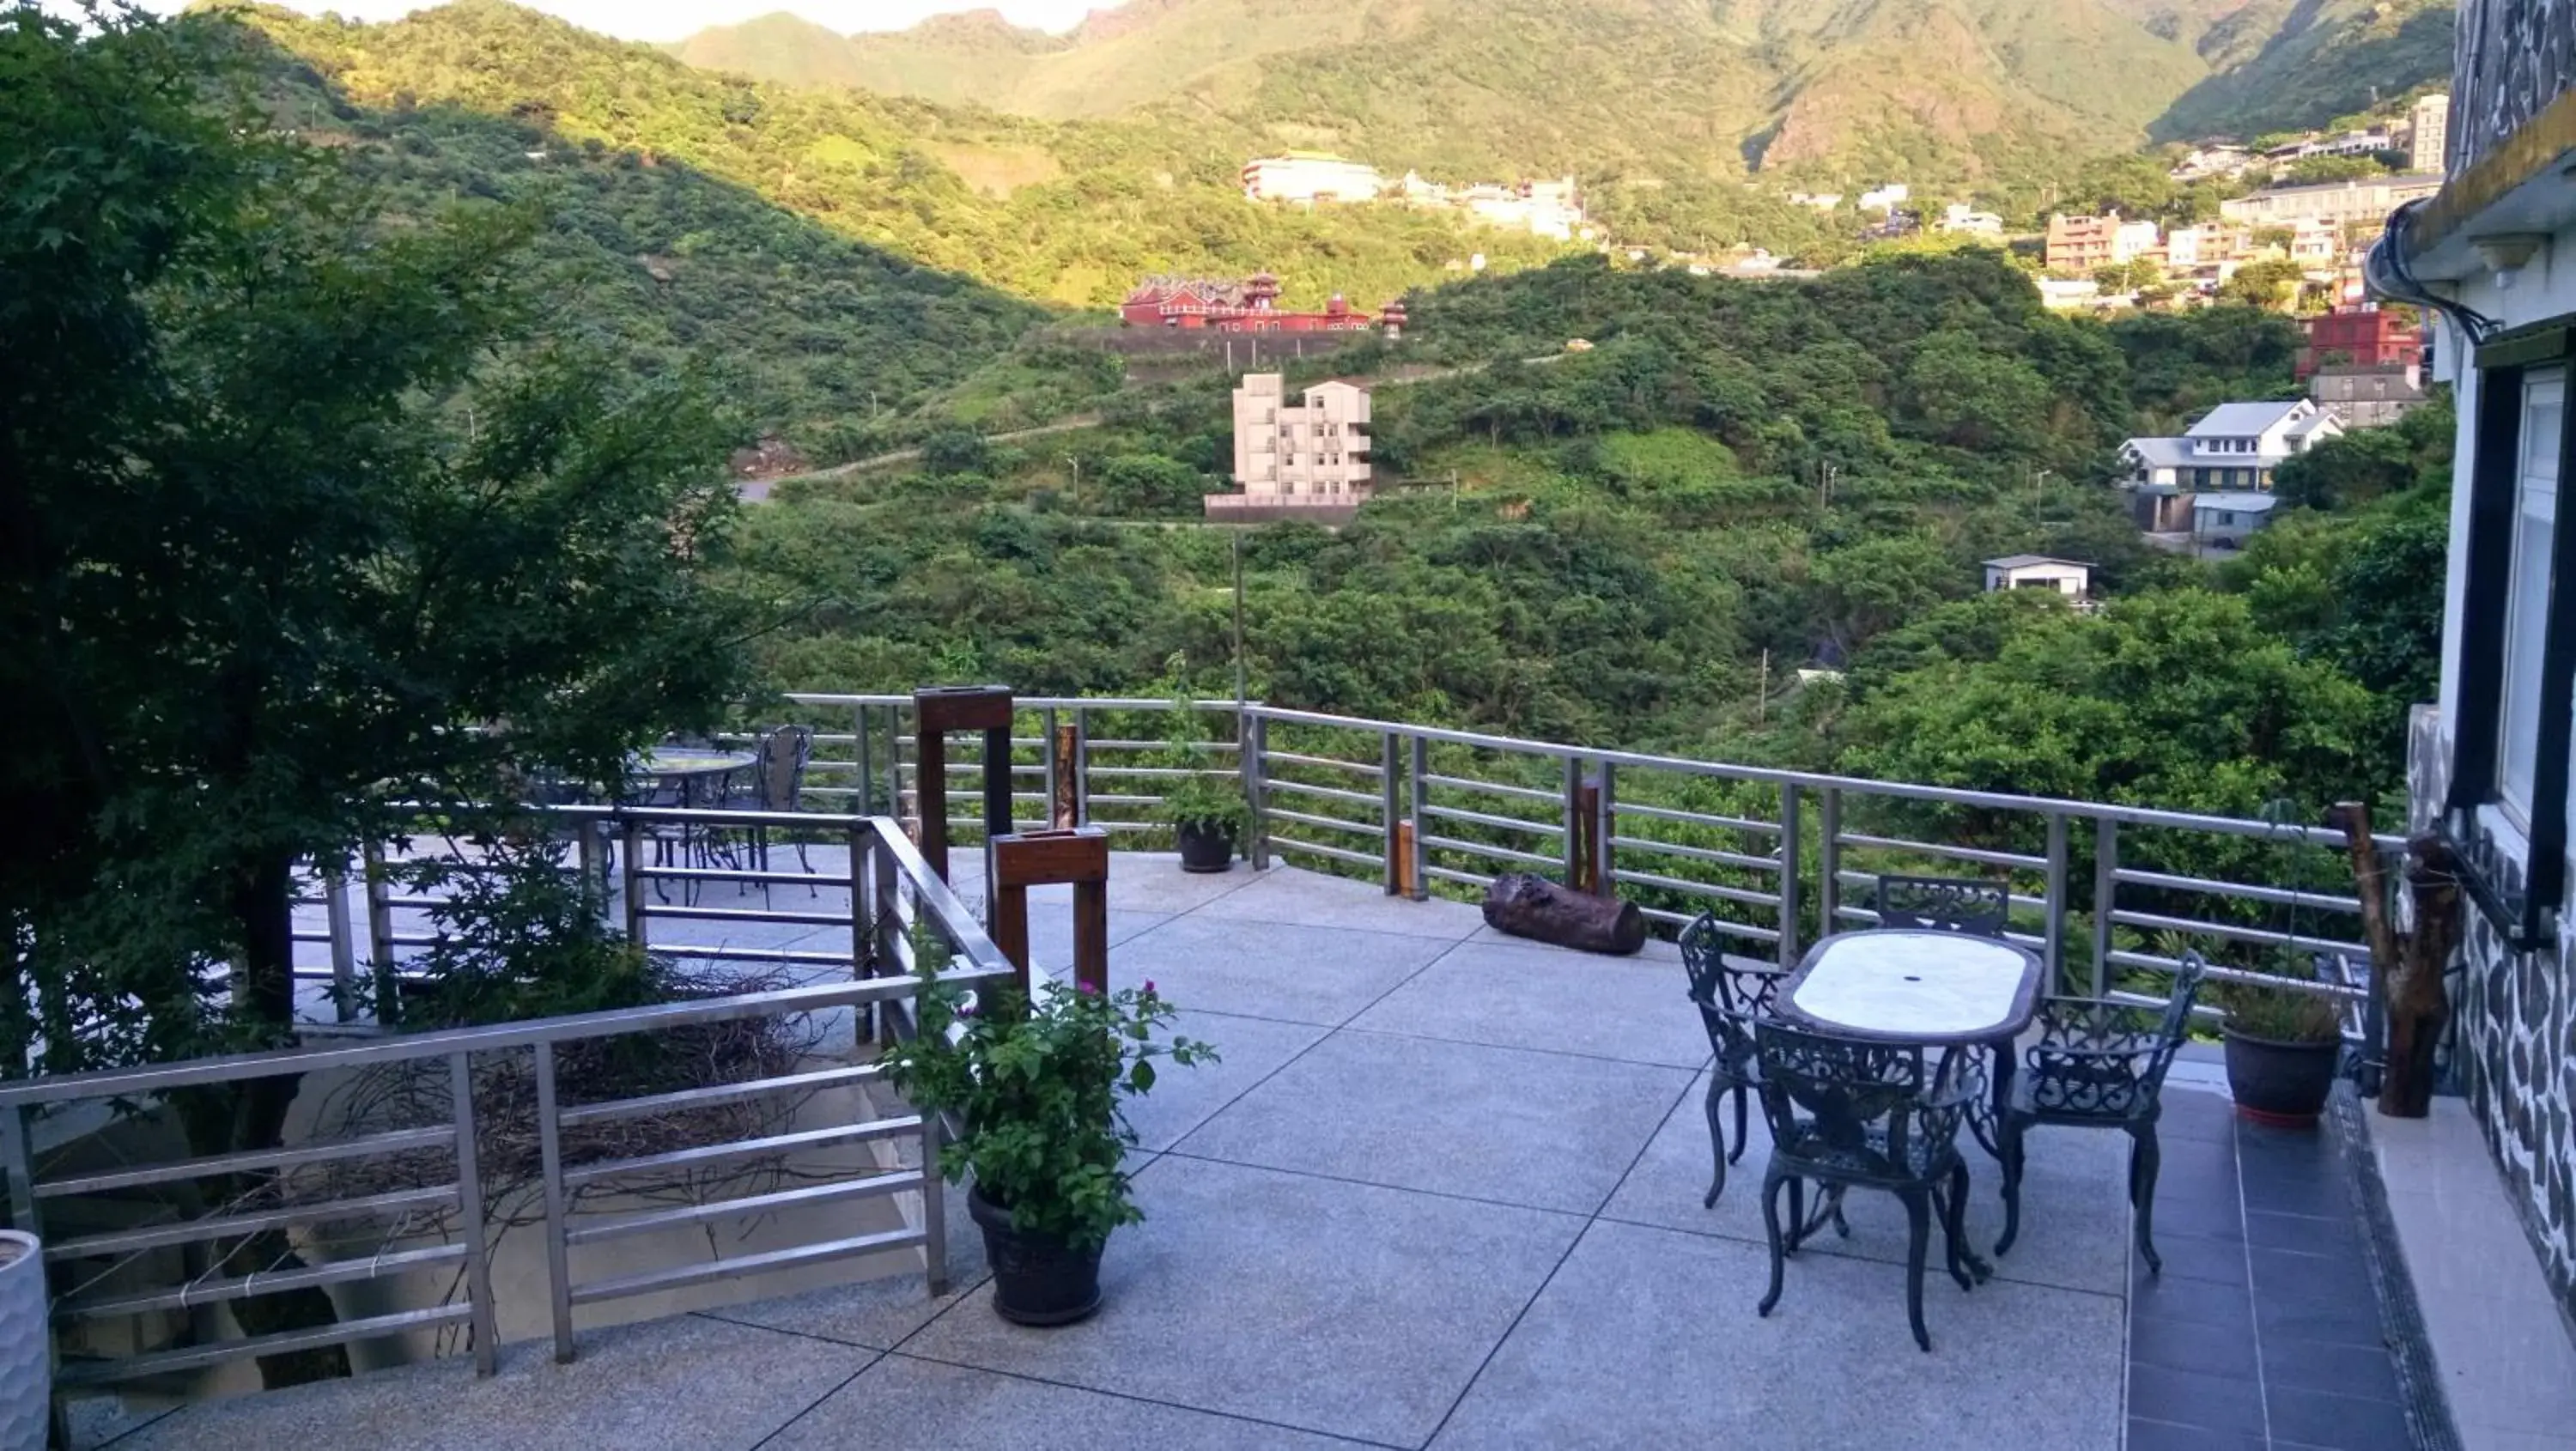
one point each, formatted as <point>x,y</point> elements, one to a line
<point>1543,911</point>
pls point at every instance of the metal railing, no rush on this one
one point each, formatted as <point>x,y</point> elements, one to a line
<point>2109,895</point>
<point>429,1190</point>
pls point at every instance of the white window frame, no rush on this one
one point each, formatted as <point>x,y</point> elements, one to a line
<point>2527,607</point>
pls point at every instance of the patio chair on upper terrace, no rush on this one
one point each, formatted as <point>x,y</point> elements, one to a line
<point>1854,1115</point>
<point>777,783</point>
<point>2100,1064</point>
<point>1729,998</point>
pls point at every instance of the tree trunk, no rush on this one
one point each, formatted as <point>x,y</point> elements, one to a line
<point>2418,1006</point>
<point>1536,908</point>
<point>251,1115</point>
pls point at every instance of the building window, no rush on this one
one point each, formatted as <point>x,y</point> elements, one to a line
<point>2527,590</point>
<point>2508,806</point>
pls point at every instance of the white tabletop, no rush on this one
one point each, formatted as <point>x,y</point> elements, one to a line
<point>1935,984</point>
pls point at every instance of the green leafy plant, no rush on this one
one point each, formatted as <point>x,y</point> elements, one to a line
<point>1204,798</point>
<point>2278,1014</point>
<point>1038,1084</point>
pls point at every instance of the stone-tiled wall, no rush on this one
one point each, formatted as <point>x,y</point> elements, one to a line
<point>2510,59</point>
<point>2514,1016</point>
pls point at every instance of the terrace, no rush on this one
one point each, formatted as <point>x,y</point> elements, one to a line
<point>1444,1189</point>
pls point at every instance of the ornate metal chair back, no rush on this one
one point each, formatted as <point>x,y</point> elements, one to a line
<point>1944,904</point>
<point>784,753</point>
<point>1863,1105</point>
<point>1730,999</point>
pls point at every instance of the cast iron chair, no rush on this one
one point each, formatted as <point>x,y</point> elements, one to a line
<point>1976,909</point>
<point>2100,1064</point>
<point>1851,1115</point>
<point>778,784</point>
<point>1729,999</point>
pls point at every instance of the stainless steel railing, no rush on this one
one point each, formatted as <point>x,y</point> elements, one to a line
<point>435,1219</point>
<point>2109,894</point>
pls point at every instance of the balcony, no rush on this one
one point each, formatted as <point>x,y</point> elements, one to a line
<point>1443,1190</point>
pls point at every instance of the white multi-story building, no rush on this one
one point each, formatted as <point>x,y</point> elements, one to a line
<point>2368,200</point>
<point>2234,447</point>
<point>1310,176</point>
<point>1886,198</point>
<point>1306,455</point>
<point>2429,132</point>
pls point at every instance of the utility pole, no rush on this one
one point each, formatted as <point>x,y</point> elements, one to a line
<point>1238,626</point>
<point>1762,696</point>
<point>1076,465</point>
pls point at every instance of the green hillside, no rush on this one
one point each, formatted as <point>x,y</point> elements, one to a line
<point>1991,96</point>
<point>1065,214</point>
<point>2290,64</point>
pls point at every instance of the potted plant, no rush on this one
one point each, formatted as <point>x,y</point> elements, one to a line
<point>1208,817</point>
<point>1037,1086</point>
<point>2283,1046</point>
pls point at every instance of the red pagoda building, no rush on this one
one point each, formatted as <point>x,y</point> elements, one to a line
<point>2361,337</point>
<point>1249,306</point>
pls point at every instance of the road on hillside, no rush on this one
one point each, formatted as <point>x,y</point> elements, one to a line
<point>755,490</point>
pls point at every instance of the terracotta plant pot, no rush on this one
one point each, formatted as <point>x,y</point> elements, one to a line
<point>2281,1082</point>
<point>1205,846</point>
<point>1036,1280</point>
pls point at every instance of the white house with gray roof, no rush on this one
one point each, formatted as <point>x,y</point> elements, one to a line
<point>2233,447</point>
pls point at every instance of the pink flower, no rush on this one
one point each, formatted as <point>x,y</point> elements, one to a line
<point>1149,984</point>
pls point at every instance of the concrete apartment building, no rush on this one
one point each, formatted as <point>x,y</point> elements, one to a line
<point>1306,460</point>
<point>2335,202</point>
<point>2368,395</point>
<point>2080,244</point>
<point>2428,133</point>
<point>1310,176</point>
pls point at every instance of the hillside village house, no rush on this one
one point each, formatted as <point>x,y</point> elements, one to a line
<point>2080,244</point>
<point>1306,460</point>
<point>2428,132</point>
<point>2037,571</point>
<point>1960,217</point>
<point>2368,397</point>
<point>2226,518</point>
<point>2234,448</point>
<point>2363,336</point>
<point>2493,258</point>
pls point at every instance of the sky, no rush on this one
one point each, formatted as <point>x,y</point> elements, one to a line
<point>672,19</point>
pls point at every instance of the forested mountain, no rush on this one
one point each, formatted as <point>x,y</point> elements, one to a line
<point>1069,214</point>
<point>1997,95</point>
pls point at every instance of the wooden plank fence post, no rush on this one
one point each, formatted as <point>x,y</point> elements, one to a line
<point>937,710</point>
<point>1080,856</point>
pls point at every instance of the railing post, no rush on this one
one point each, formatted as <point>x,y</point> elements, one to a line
<point>1605,828</point>
<point>859,745</point>
<point>631,880</point>
<point>2056,901</point>
<point>469,1196</point>
<point>1789,869</point>
<point>2106,895</point>
<point>1256,746</point>
<point>1421,853</point>
<point>1391,812</point>
<point>1574,824</point>
<point>18,1163</point>
<point>550,1167</point>
<point>344,948</point>
<point>934,1210</point>
<point>1829,860</point>
<point>380,933</point>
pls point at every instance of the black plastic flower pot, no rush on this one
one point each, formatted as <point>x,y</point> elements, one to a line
<point>1037,1280</point>
<point>1205,846</point>
<point>2280,1083</point>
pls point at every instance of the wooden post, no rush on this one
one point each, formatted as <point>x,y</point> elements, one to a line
<point>937,710</point>
<point>1022,860</point>
<point>1065,812</point>
<point>2406,970</point>
<point>1406,883</point>
<point>1586,824</point>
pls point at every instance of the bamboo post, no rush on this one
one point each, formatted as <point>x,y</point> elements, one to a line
<point>1064,812</point>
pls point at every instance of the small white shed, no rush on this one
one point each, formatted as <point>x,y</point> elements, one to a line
<point>2037,571</point>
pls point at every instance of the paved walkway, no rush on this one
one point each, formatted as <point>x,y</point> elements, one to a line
<point>1443,1190</point>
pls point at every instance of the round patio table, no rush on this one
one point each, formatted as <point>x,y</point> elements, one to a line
<point>691,768</point>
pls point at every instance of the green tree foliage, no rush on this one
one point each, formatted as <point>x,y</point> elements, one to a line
<point>302,530</point>
<point>2183,364</point>
<point>2368,464</point>
<point>2271,284</point>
